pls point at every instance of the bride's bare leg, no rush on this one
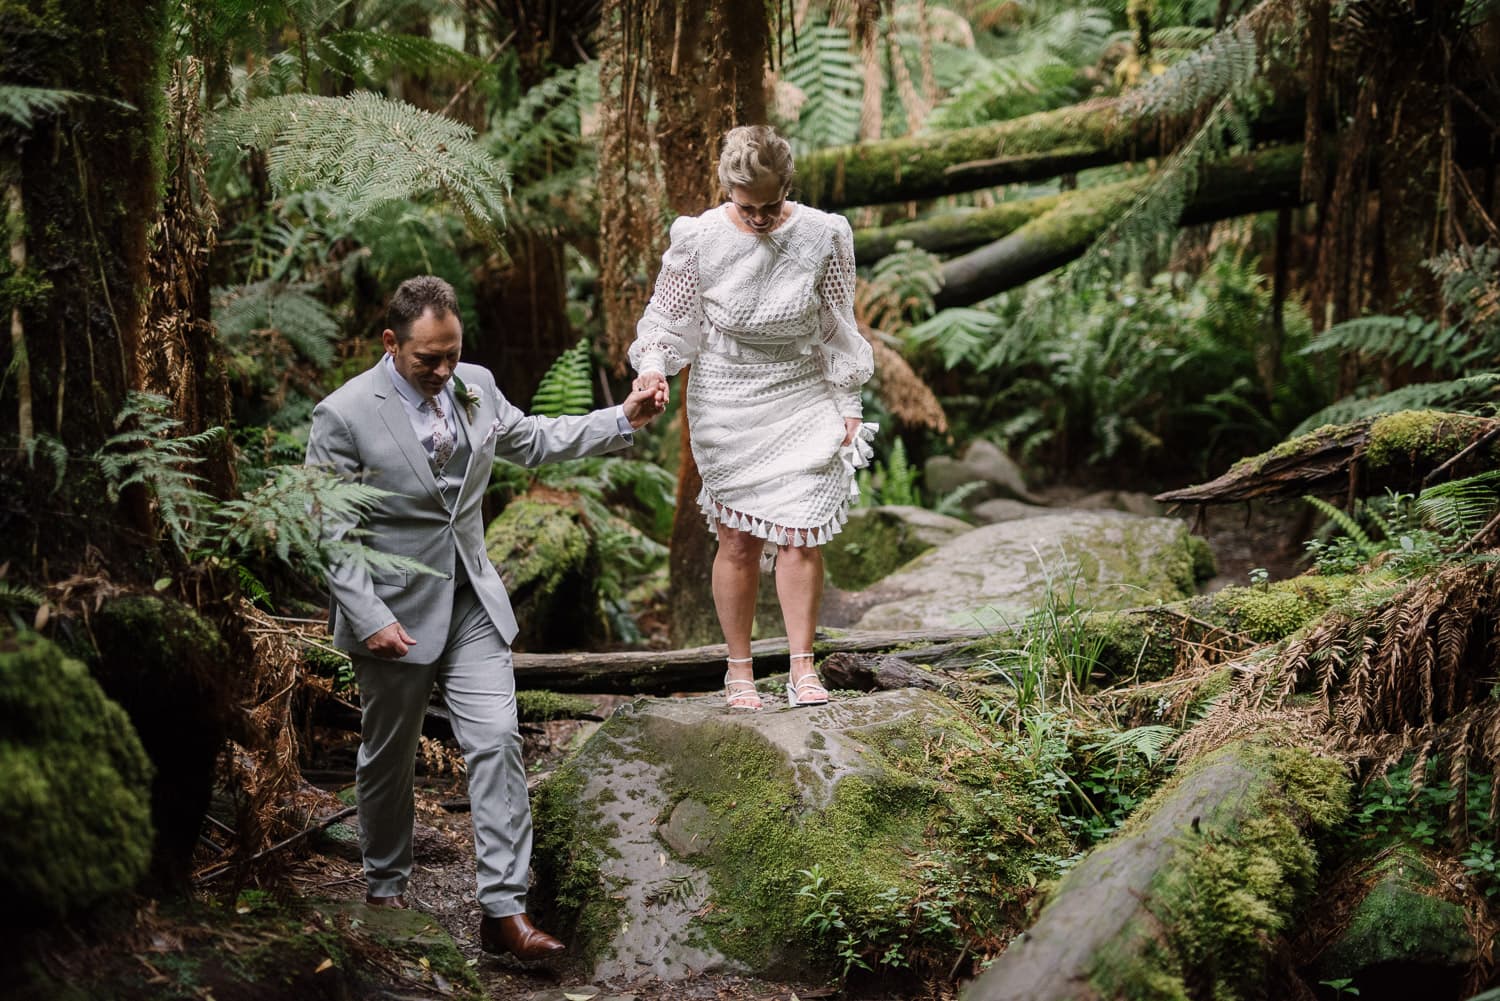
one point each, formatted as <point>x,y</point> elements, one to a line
<point>799,588</point>
<point>736,578</point>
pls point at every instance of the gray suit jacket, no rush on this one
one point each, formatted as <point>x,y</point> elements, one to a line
<point>361,430</point>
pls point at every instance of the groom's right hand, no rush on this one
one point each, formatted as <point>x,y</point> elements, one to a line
<point>390,642</point>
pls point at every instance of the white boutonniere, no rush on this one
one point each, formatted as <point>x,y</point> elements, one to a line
<point>466,398</point>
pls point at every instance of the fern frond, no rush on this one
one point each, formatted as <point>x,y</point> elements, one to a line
<point>1459,395</point>
<point>372,55</point>
<point>1346,523</point>
<point>900,289</point>
<point>1150,741</point>
<point>290,310</point>
<point>369,151</point>
<point>54,451</point>
<point>959,334</point>
<point>1460,507</point>
<point>19,594</point>
<point>147,452</point>
<point>1224,65</point>
<point>826,71</point>
<point>1401,340</point>
<point>22,105</point>
<point>568,386</point>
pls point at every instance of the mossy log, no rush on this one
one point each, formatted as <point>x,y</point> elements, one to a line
<point>1195,891</point>
<point>1237,186</point>
<point>1401,450</point>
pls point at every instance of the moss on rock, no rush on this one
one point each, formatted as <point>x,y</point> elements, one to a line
<point>542,547</point>
<point>75,816</point>
<point>539,705</point>
<point>902,836</point>
<point>874,542</point>
<point>1272,611</point>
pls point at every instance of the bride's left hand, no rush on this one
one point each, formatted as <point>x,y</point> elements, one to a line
<point>851,427</point>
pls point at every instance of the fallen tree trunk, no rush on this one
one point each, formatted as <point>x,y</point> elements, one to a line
<point>1402,450</point>
<point>1241,185</point>
<point>661,672</point>
<point>1192,901</point>
<point>1032,148</point>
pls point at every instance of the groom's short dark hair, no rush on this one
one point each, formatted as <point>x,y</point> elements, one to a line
<point>413,298</point>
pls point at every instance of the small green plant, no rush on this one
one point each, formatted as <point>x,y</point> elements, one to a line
<point>1341,987</point>
<point>1259,576</point>
<point>567,388</point>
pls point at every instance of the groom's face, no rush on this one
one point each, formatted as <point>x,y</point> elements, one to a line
<point>426,359</point>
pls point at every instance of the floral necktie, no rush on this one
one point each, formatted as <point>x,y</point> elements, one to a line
<point>442,440</point>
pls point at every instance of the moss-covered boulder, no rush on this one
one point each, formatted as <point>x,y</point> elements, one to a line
<point>75,785</point>
<point>997,573</point>
<point>172,673</point>
<point>544,551</point>
<point>1406,937</point>
<point>877,540</point>
<point>1191,898</point>
<point>884,829</point>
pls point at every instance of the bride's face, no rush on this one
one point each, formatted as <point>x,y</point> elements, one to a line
<point>760,205</point>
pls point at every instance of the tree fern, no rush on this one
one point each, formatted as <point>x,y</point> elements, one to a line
<point>540,140</point>
<point>369,151</point>
<point>825,69</point>
<point>244,312</point>
<point>1461,395</point>
<point>568,386</point>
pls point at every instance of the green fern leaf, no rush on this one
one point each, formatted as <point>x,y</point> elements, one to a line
<point>1458,395</point>
<point>826,71</point>
<point>245,313</point>
<point>22,105</point>
<point>1461,507</point>
<point>568,386</point>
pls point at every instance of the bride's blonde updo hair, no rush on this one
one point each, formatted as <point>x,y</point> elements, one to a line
<point>752,152</point>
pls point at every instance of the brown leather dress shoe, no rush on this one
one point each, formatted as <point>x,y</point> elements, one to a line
<point>519,937</point>
<point>398,901</point>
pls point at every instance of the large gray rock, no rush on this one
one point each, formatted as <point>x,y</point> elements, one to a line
<point>997,573</point>
<point>682,838</point>
<point>998,509</point>
<point>982,462</point>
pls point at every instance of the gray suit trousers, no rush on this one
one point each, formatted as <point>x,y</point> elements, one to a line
<point>475,675</point>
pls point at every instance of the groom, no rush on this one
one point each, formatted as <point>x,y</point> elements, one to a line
<point>428,429</point>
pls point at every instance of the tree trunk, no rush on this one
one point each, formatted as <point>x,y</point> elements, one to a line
<point>89,178</point>
<point>1190,900</point>
<point>1239,186</point>
<point>1403,451</point>
<point>1032,148</point>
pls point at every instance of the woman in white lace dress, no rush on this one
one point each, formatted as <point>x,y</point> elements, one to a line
<point>757,295</point>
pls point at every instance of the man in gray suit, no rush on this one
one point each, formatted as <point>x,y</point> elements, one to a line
<point>428,429</point>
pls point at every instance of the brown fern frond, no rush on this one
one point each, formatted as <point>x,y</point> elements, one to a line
<point>909,399</point>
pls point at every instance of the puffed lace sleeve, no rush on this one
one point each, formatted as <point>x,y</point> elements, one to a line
<point>846,358</point>
<point>670,332</point>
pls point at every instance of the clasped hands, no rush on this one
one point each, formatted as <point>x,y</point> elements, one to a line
<point>651,389</point>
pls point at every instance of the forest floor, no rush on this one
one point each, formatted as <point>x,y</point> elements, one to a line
<point>317,888</point>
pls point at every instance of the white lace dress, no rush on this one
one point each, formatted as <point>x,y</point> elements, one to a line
<point>767,323</point>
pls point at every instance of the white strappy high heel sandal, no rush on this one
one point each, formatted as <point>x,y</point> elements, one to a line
<point>808,691</point>
<point>740,694</point>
